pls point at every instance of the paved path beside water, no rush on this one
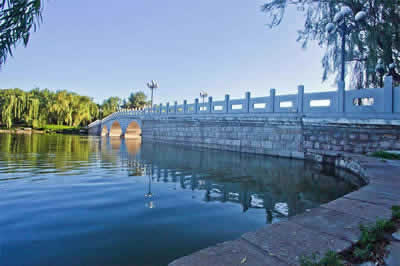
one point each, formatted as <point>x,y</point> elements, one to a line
<point>332,226</point>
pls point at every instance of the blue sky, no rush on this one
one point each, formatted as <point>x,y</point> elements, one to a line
<point>103,48</point>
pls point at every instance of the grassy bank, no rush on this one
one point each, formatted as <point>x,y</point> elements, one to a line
<point>61,129</point>
<point>50,129</point>
<point>371,246</point>
<point>386,155</point>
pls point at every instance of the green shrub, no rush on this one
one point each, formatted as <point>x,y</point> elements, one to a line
<point>330,259</point>
<point>375,232</point>
<point>363,253</point>
<point>364,250</point>
<point>370,236</point>
<point>396,212</point>
<point>386,155</point>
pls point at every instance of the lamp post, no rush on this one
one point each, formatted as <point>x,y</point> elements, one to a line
<point>152,85</point>
<point>149,194</point>
<point>380,70</point>
<point>344,23</point>
<point>203,95</point>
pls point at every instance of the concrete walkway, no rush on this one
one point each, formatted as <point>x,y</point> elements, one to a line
<point>332,226</point>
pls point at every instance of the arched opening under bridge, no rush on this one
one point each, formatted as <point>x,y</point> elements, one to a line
<point>133,131</point>
<point>115,130</point>
<point>104,131</point>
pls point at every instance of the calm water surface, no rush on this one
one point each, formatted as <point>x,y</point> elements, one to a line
<point>71,200</point>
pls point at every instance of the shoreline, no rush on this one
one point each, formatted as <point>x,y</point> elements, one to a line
<point>29,131</point>
<point>22,131</point>
<point>333,226</point>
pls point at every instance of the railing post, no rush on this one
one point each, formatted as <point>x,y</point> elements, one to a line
<point>210,100</point>
<point>184,106</point>
<point>167,109</point>
<point>272,100</point>
<point>300,98</point>
<point>227,103</point>
<point>176,107</point>
<point>388,94</point>
<point>196,106</point>
<point>247,110</point>
<point>341,97</point>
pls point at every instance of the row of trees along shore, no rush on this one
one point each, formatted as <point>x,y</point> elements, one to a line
<point>38,108</point>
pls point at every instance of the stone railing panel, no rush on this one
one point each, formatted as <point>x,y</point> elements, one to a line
<point>180,109</point>
<point>203,108</point>
<point>396,99</point>
<point>219,107</point>
<point>372,100</point>
<point>321,102</point>
<point>190,108</point>
<point>286,103</point>
<point>259,104</point>
<point>237,106</point>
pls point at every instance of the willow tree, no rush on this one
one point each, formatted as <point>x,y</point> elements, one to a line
<point>110,106</point>
<point>40,107</point>
<point>13,105</point>
<point>378,37</point>
<point>18,18</point>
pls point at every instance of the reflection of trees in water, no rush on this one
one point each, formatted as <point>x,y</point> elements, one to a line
<point>280,186</point>
<point>61,152</point>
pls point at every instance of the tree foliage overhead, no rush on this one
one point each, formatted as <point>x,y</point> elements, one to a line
<point>378,37</point>
<point>18,18</point>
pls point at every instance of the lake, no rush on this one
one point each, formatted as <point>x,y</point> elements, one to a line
<point>78,200</point>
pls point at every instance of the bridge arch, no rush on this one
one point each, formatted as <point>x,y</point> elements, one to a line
<point>104,131</point>
<point>133,131</point>
<point>115,130</point>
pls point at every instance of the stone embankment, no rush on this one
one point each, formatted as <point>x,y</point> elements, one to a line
<point>327,127</point>
<point>332,226</point>
<point>341,141</point>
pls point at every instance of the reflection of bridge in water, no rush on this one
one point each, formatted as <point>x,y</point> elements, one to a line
<point>281,187</point>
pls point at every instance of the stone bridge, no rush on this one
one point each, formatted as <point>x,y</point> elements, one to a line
<point>314,125</point>
<point>119,125</point>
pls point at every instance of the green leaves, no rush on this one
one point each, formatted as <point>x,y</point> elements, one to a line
<point>386,155</point>
<point>40,107</point>
<point>136,100</point>
<point>330,259</point>
<point>396,212</point>
<point>370,235</point>
<point>18,18</point>
<point>109,106</point>
<point>377,37</point>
